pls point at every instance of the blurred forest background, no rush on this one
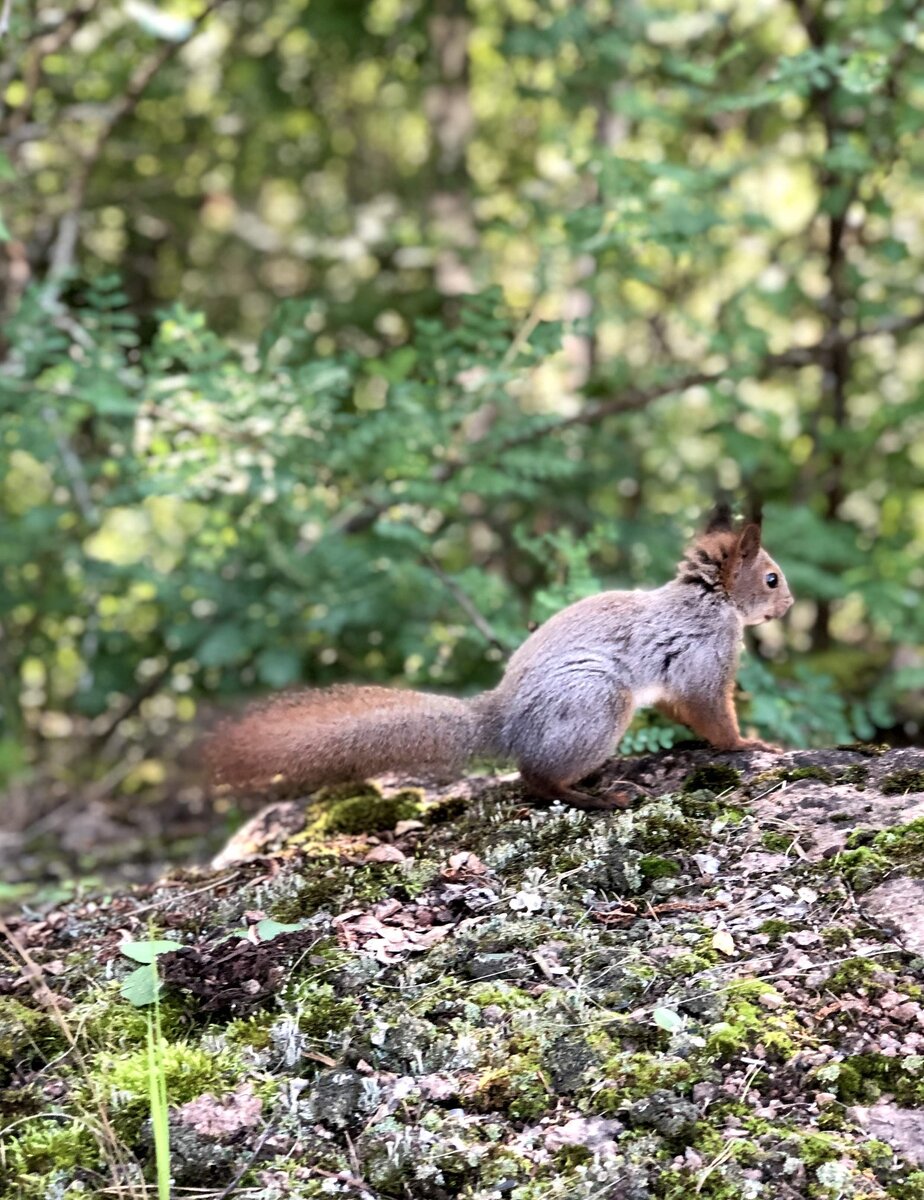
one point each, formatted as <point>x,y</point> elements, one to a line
<point>345,339</point>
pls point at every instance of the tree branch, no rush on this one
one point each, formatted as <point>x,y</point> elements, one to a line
<point>634,399</point>
<point>65,244</point>
<point>465,602</point>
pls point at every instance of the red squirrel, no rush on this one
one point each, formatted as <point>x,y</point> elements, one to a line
<point>565,699</point>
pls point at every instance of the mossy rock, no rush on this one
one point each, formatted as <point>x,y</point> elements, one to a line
<point>901,782</point>
<point>713,777</point>
<point>854,975</point>
<point>366,811</point>
<point>567,1062</point>
<point>516,1089</point>
<point>871,856</point>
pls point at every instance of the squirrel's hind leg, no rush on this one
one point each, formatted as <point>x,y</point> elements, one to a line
<point>569,741</point>
<point>547,789</point>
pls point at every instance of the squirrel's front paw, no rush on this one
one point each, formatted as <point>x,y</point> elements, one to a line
<point>758,744</point>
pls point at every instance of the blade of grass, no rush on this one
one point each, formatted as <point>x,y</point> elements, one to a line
<point>157,1092</point>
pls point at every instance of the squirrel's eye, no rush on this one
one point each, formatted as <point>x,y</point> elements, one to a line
<point>772,579</point>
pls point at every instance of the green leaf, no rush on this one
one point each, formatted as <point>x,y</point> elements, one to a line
<point>863,72</point>
<point>142,986</point>
<point>267,929</point>
<point>667,1019</point>
<point>278,666</point>
<point>146,952</point>
<point>222,647</point>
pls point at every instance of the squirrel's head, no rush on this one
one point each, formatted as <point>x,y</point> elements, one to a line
<point>734,562</point>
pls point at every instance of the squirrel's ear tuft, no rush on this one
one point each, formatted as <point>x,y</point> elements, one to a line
<point>749,542</point>
<point>721,518</point>
<point>757,512</point>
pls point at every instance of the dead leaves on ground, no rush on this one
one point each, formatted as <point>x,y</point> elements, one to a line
<point>392,928</point>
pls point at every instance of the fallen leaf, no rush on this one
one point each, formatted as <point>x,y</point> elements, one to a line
<point>385,854</point>
<point>723,941</point>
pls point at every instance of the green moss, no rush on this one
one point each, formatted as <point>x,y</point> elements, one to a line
<point>863,1078</point>
<point>320,1012</point>
<point>909,1188</point>
<point>854,975</point>
<point>44,1147</point>
<point>776,842</point>
<point>778,1045</point>
<point>794,774</point>
<point>775,930</point>
<point>713,777</point>
<point>446,810</point>
<point>25,1034</point>
<point>904,842</point>
<point>863,869</point>
<point>856,775</point>
<point>836,936</point>
<point>760,781</point>
<point>876,1154</point>
<point>124,1081</point>
<point>683,965</point>
<point>789,775</point>
<point>337,888</point>
<point>516,1088</point>
<point>252,1031</point>
<point>630,1076</point>
<point>108,1022</point>
<point>363,811</point>
<point>329,885</point>
<point>870,856</point>
<point>745,1023</point>
<point>570,1157</point>
<point>501,995</point>
<point>701,804</point>
<point>335,792</point>
<point>817,1148</point>
<point>660,825</point>
<point>900,782</point>
<point>653,867</point>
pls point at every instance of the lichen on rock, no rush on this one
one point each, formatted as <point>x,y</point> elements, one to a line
<point>718,993</point>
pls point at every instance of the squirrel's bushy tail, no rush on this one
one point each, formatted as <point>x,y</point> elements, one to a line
<point>332,735</point>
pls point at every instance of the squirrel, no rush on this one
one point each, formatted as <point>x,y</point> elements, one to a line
<point>566,697</point>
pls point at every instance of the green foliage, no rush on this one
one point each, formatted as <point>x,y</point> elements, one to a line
<point>142,986</point>
<point>257,462</point>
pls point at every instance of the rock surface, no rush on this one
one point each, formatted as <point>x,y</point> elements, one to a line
<point>718,993</point>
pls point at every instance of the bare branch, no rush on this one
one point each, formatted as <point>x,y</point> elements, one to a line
<point>465,602</point>
<point>5,17</point>
<point>65,244</point>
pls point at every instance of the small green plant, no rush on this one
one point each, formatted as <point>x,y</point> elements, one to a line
<point>157,1097</point>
